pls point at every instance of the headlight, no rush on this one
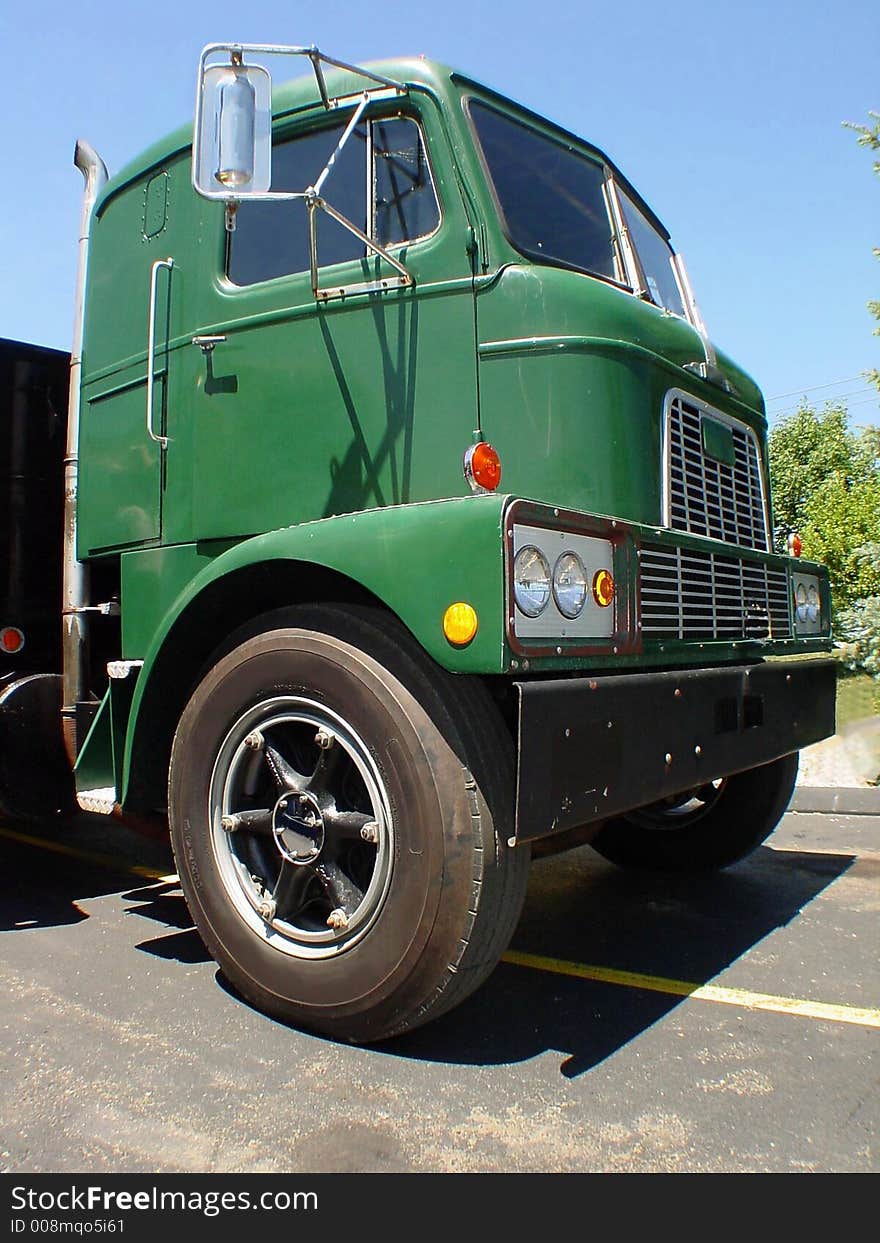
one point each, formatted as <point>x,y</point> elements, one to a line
<point>531,581</point>
<point>807,603</point>
<point>812,605</point>
<point>569,584</point>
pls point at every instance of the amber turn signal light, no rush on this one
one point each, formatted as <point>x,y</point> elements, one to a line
<point>603,588</point>
<point>460,623</point>
<point>795,544</point>
<point>482,467</point>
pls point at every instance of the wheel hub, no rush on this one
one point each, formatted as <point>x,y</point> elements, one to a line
<point>298,827</point>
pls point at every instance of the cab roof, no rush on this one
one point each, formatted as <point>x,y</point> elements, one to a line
<point>301,94</point>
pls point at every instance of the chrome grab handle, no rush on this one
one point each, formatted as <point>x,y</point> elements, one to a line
<point>151,347</point>
<point>206,344</point>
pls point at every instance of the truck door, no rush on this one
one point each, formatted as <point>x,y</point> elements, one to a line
<point>123,429</point>
<point>364,396</point>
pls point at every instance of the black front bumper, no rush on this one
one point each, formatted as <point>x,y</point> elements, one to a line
<point>593,747</point>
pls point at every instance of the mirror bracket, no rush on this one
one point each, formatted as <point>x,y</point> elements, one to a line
<point>257,124</point>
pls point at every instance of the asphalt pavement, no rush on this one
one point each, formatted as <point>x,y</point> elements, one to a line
<point>728,1023</point>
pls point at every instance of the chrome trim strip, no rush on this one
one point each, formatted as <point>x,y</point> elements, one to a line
<point>168,264</point>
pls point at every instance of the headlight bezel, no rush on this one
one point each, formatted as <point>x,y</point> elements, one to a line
<point>808,611</point>
<point>593,630</point>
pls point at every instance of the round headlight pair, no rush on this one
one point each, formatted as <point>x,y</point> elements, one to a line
<point>533,582</point>
<point>807,603</point>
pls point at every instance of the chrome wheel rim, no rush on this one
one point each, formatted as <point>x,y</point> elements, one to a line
<point>301,827</point>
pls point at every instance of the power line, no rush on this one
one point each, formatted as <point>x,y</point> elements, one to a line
<point>799,392</point>
<point>855,392</point>
<point>865,400</point>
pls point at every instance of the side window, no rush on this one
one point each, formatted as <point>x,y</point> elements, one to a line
<point>272,239</point>
<point>405,204</point>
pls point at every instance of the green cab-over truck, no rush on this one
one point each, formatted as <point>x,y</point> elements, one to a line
<point>410,517</point>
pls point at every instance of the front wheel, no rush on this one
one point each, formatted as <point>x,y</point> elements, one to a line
<point>705,829</point>
<point>340,809</point>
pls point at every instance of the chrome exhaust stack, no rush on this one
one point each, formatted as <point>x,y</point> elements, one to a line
<point>75,583</point>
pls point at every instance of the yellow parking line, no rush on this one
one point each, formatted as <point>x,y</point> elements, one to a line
<point>703,992</point>
<point>88,856</point>
<point>582,971</point>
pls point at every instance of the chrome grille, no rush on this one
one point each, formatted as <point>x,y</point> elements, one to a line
<point>707,497</point>
<point>708,595</point>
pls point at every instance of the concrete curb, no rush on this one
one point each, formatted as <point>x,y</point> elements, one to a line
<point>844,800</point>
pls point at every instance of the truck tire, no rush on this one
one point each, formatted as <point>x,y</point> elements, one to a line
<point>340,809</point>
<point>703,830</point>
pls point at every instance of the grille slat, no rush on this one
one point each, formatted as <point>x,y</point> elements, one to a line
<point>707,497</point>
<point>709,595</point>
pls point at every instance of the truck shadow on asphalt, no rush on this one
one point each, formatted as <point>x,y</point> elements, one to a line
<point>579,909</point>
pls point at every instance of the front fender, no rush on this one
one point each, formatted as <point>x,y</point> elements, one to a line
<point>415,559</point>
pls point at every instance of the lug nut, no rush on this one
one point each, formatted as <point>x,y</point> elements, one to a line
<point>229,823</point>
<point>337,920</point>
<point>267,908</point>
<point>370,832</point>
<point>324,739</point>
<point>255,741</point>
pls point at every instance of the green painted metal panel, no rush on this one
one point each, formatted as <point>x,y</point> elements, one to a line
<point>94,765</point>
<point>417,559</point>
<point>120,487</point>
<point>152,579</point>
<point>573,374</point>
<point>718,442</point>
<point>307,411</point>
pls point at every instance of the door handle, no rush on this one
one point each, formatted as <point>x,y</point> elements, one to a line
<point>168,264</point>
<point>206,344</point>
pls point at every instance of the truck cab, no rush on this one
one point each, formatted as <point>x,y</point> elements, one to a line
<point>435,524</point>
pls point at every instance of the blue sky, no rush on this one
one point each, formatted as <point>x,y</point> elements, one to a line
<point>727,116</point>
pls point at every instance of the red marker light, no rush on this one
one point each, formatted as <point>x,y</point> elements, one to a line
<point>482,467</point>
<point>11,640</point>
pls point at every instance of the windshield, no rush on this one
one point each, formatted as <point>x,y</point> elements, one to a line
<point>554,205</point>
<point>655,256</point>
<point>551,198</point>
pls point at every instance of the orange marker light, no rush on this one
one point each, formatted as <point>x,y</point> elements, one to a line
<point>795,544</point>
<point>11,640</point>
<point>482,467</point>
<point>460,623</point>
<point>603,588</point>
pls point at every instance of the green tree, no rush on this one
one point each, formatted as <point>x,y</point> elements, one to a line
<point>825,480</point>
<point>869,136</point>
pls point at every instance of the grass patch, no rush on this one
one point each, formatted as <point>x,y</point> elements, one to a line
<point>858,696</point>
